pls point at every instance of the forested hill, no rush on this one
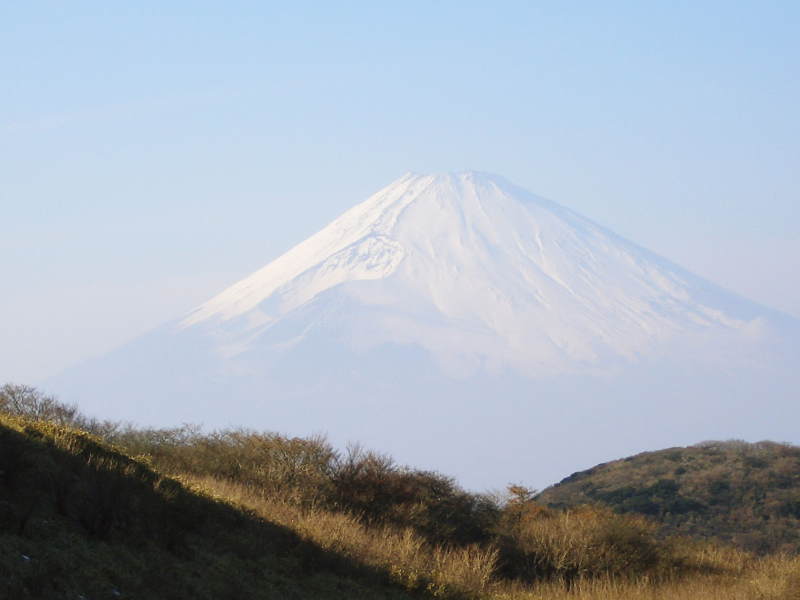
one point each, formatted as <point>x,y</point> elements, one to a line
<point>739,492</point>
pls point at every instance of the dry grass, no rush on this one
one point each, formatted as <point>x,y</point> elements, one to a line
<point>587,542</point>
<point>405,557</point>
<point>773,578</point>
<point>714,573</point>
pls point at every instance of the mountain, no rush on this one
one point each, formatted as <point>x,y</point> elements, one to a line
<point>477,272</point>
<point>745,494</point>
<point>459,320</point>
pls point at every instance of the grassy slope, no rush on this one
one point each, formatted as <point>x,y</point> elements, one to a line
<point>746,494</point>
<point>81,520</point>
<point>261,516</point>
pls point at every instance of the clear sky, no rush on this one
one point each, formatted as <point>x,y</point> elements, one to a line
<point>152,153</point>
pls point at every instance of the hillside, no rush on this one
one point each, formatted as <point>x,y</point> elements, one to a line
<point>82,520</point>
<point>125,512</point>
<point>746,494</point>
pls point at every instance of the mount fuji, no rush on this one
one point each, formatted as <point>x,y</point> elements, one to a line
<point>461,323</point>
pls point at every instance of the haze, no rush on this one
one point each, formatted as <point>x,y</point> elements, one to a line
<point>152,156</point>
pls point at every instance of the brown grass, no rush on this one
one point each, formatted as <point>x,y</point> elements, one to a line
<point>700,571</point>
<point>402,554</point>
<point>774,578</point>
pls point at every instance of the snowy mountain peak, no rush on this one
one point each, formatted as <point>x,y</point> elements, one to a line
<point>476,271</point>
<point>461,323</point>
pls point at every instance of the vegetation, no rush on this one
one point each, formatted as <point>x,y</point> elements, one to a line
<point>739,493</point>
<point>101,510</point>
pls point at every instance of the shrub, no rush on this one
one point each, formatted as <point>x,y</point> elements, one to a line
<point>27,401</point>
<point>31,403</point>
<point>372,486</point>
<point>292,468</point>
<point>537,542</point>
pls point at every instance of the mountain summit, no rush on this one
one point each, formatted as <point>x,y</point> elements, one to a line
<point>477,272</point>
<point>460,322</point>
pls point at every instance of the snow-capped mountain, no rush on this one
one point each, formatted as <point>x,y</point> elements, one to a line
<point>449,303</point>
<point>479,273</point>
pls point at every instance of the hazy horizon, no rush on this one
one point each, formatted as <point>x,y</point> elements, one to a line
<point>154,155</point>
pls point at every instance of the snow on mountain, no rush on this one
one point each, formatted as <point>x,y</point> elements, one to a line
<point>462,323</point>
<point>480,274</point>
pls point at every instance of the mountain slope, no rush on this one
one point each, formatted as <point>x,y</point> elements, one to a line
<point>459,321</point>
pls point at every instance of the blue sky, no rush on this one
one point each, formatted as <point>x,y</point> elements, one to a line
<point>152,153</point>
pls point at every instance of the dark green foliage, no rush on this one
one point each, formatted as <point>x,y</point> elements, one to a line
<point>657,500</point>
<point>790,508</point>
<point>748,494</point>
